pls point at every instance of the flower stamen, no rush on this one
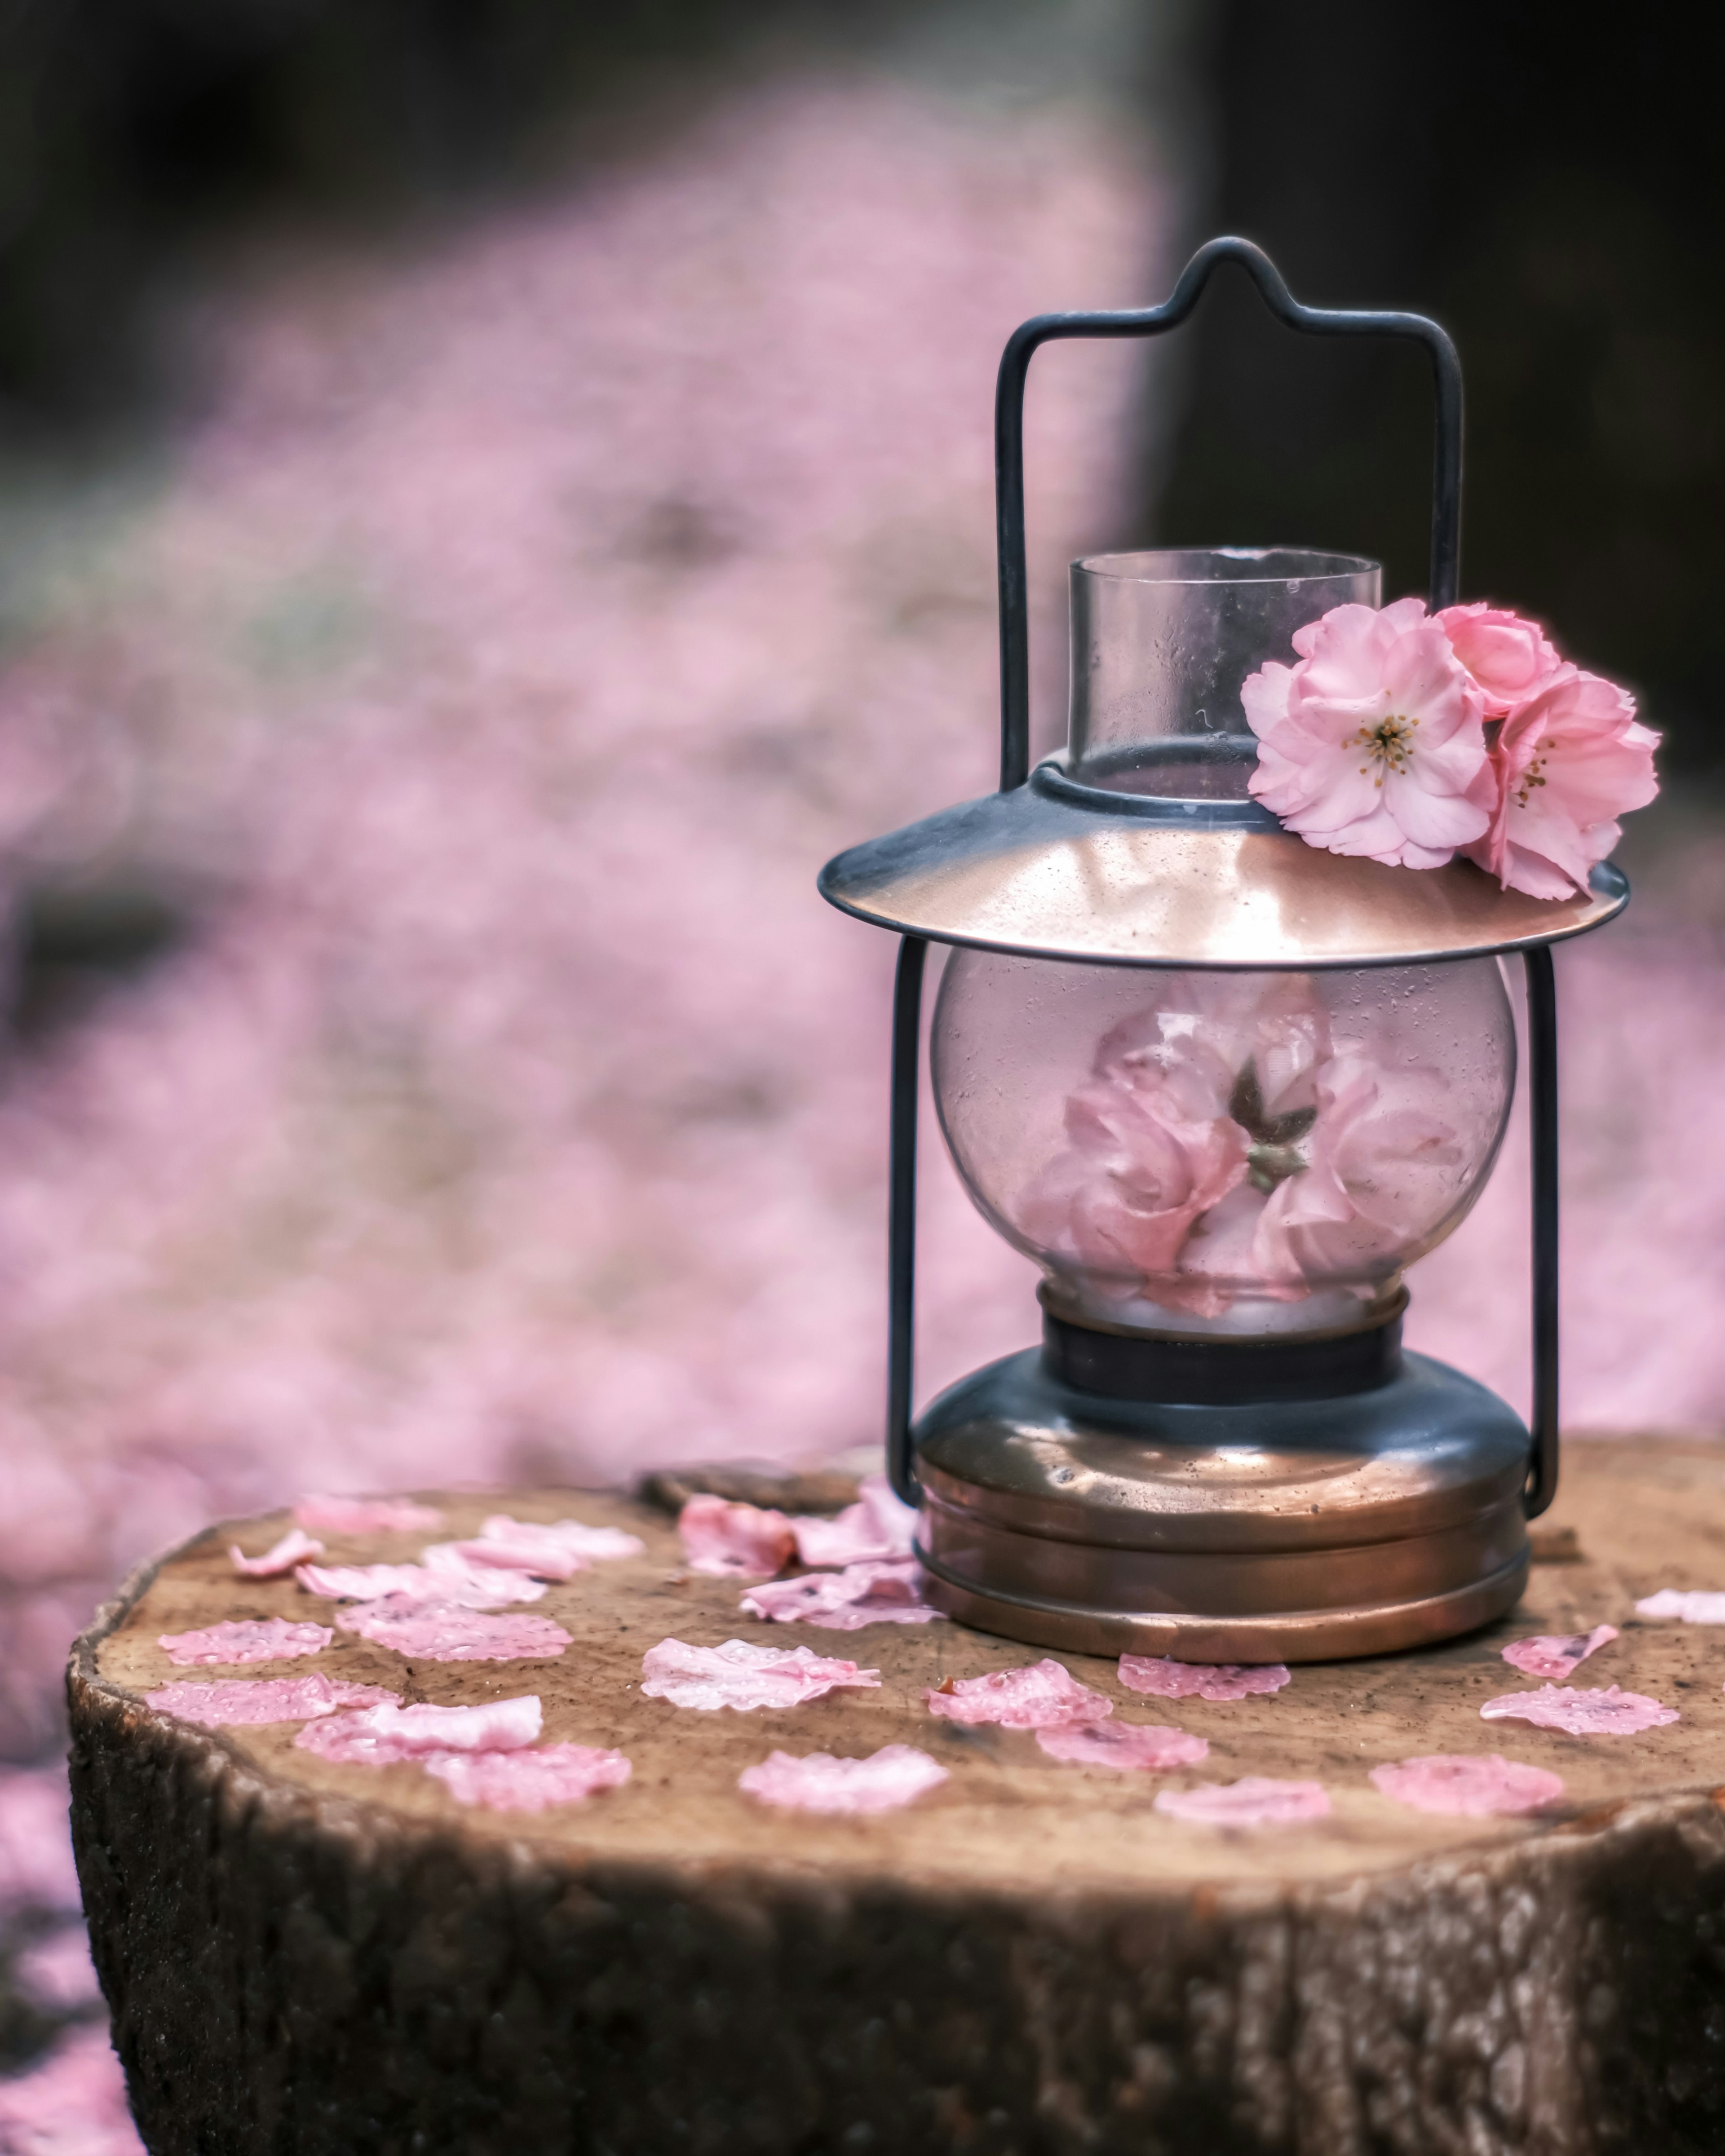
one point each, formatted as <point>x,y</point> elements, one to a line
<point>1388,744</point>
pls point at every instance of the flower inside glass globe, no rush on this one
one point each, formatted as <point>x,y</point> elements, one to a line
<point>1201,1153</point>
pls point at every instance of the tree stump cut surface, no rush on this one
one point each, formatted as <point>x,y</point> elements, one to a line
<point>305,1957</point>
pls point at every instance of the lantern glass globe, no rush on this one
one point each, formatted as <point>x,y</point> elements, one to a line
<point>1208,1153</point>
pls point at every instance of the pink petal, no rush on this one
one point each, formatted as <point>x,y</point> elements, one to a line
<point>1254,1800</point>
<point>1041,1696</point>
<point>445,1577</point>
<point>1122,1744</point>
<point>528,1781</point>
<point>451,1632</point>
<point>1508,658</point>
<point>1552,1655</point>
<point>1694,1607</point>
<point>367,1515</point>
<point>1467,1785</point>
<point>741,1676</point>
<point>734,1541</point>
<point>1265,697</point>
<point>897,1775</point>
<point>236,1702</point>
<point>294,1548</point>
<point>880,1524</point>
<point>557,1551</point>
<point>382,1735</point>
<point>1581,1713</point>
<point>1163,1678</point>
<point>245,1639</point>
<point>886,1591</point>
<point>458,1578</point>
<point>363,1583</point>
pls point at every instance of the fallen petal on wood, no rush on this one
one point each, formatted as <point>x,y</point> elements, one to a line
<point>554,1550</point>
<point>1556,1654</point>
<point>1467,1784</point>
<point>736,1542</point>
<point>244,1640</point>
<point>1041,1696</point>
<point>1581,1713</point>
<point>1125,1745</point>
<point>888,1591</point>
<point>1163,1678</point>
<point>528,1781</point>
<point>295,1547</point>
<point>451,1632</point>
<point>367,1515</point>
<point>444,1577</point>
<point>1254,1800</point>
<point>382,1735</point>
<point>879,1525</point>
<point>238,1702</point>
<point>743,1676</point>
<point>1694,1607</point>
<point>456,1574</point>
<point>897,1775</point>
<point>362,1583</point>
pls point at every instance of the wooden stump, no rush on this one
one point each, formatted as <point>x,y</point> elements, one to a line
<point>303,1957</point>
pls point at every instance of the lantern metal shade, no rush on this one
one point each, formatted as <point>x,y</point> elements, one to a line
<point>1058,869</point>
<point>1208,1499</point>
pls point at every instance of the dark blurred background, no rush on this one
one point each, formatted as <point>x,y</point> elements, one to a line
<point>1554,196</point>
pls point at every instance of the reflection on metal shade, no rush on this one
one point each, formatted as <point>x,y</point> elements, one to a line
<point>1057,871</point>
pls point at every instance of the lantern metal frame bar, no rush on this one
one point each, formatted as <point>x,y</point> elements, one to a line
<point>1152,321</point>
<point>1014,770</point>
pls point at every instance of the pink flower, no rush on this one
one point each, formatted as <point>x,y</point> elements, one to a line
<point>1507,659</point>
<point>1568,763</point>
<point>1151,1147</point>
<point>1383,1164</point>
<point>1373,743</point>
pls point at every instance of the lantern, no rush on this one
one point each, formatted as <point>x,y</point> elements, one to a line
<point>1224,1088</point>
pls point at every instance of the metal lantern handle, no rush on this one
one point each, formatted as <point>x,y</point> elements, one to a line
<point>1152,321</point>
<point>1014,770</point>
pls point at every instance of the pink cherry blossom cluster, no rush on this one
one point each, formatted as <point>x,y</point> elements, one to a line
<point>1408,737</point>
<point>1232,1140</point>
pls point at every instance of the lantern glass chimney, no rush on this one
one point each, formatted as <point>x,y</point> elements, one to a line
<point>1161,643</point>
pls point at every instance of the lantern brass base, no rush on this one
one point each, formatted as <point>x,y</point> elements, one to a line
<point>1280,1530</point>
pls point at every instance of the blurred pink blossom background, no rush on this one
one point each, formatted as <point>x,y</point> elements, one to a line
<point>529,614</point>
